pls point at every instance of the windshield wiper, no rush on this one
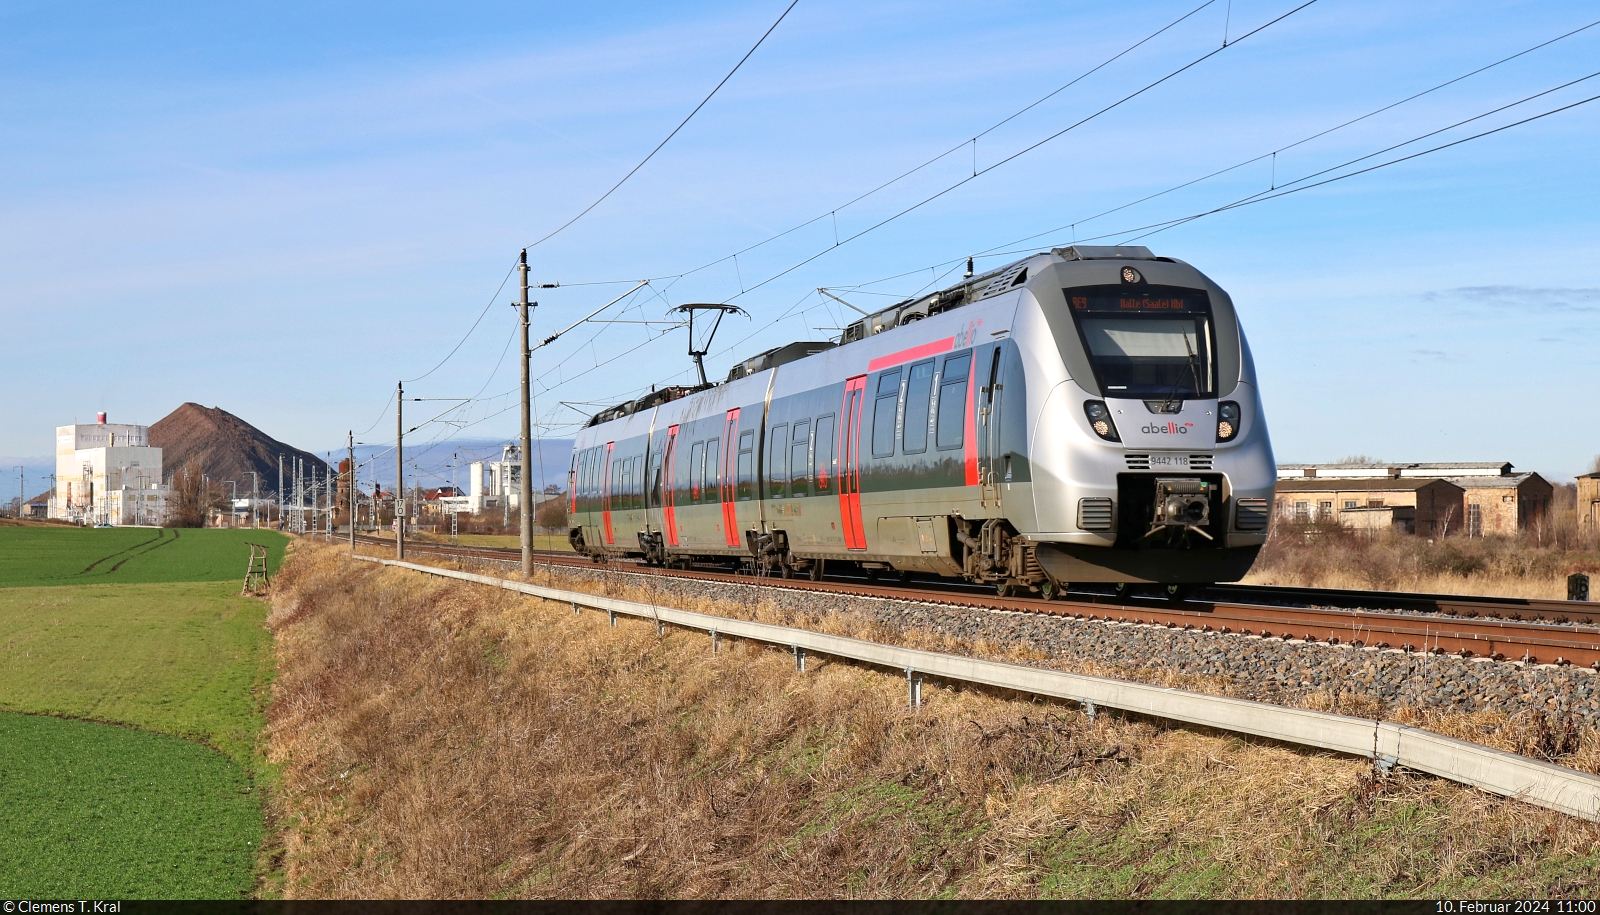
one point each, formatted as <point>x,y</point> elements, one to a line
<point>1171,404</point>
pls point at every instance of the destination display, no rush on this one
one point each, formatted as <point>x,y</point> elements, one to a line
<point>1140,300</point>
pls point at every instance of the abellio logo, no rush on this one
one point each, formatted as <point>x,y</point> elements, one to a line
<point>1168,429</point>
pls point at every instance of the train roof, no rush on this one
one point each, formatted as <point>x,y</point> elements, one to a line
<point>972,288</point>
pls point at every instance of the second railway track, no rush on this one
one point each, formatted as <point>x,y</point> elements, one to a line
<point>1500,629</point>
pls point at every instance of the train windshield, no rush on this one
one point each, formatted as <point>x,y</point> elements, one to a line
<point>1147,341</point>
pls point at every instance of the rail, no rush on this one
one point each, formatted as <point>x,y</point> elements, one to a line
<point>1496,771</point>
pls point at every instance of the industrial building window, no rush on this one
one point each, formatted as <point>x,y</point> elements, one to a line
<point>697,468</point>
<point>1350,503</point>
<point>884,407</point>
<point>919,396</point>
<point>953,401</point>
<point>823,449</point>
<point>1374,503</point>
<point>1474,521</point>
<point>797,458</point>
<point>1302,511</point>
<point>777,461</point>
<point>1325,510</point>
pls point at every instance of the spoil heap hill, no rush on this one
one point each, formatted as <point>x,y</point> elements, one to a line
<point>226,447</point>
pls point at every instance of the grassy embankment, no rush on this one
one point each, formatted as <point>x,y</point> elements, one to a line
<point>1532,564</point>
<point>146,629</point>
<point>444,740</point>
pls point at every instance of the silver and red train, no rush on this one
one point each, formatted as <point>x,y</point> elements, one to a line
<point>1089,414</point>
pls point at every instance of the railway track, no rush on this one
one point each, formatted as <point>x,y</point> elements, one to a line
<point>1499,629</point>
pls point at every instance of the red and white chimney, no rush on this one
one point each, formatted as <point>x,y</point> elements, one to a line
<point>100,417</point>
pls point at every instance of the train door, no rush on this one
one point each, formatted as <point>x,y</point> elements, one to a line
<point>661,481</point>
<point>855,537</point>
<point>605,494</point>
<point>989,452</point>
<point>730,438</point>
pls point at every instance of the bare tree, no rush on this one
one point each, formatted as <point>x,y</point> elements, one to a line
<point>1594,465</point>
<point>551,514</point>
<point>192,497</point>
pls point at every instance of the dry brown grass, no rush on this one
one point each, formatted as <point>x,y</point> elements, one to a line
<point>1534,564</point>
<point>445,740</point>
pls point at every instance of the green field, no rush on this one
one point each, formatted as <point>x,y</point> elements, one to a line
<point>94,811</point>
<point>145,628</point>
<point>83,555</point>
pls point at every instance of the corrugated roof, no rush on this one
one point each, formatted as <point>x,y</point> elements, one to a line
<point>1382,484</point>
<point>1508,482</point>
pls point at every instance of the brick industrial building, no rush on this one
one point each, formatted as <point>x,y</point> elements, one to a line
<point>1493,499</point>
<point>1589,501</point>
<point>1433,508</point>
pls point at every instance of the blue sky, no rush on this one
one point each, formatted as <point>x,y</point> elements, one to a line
<point>282,209</point>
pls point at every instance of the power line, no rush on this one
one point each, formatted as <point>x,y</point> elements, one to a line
<point>486,307</point>
<point>1024,151</point>
<point>1257,198</point>
<point>958,147</point>
<point>674,133</point>
<point>1300,142</point>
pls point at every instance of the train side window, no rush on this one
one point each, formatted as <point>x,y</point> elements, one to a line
<point>883,414</point>
<point>638,481</point>
<point>697,469</point>
<point>713,471</point>
<point>822,449</point>
<point>797,458</point>
<point>777,461</point>
<point>633,482</point>
<point>747,466</point>
<point>655,480</point>
<point>953,401</point>
<point>919,395</point>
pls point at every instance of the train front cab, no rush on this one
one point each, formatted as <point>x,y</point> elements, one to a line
<point>1150,456</point>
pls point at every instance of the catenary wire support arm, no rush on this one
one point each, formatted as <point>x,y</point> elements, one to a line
<point>824,291</point>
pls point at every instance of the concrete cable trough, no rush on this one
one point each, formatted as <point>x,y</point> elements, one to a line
<point>1555,787</point>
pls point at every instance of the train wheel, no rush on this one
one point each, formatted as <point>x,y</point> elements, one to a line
<point>1004,589</point>
<point>1178,593</point>
<point>786,569</point>
<point>1049,590</point>
<point>816,570</point>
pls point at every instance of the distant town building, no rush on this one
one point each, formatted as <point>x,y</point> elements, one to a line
<point>1430,507</point>
<point>1589,501</point>
<point>107,473</point>
<point>1494,499</point>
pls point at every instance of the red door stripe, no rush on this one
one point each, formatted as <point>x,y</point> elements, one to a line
<point>850,467</point>
<point>730,444</point>
<point>605,494</point>
<point>667,489</point>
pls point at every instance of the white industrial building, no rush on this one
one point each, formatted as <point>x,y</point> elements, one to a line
<point>495,485</point>
<point>107,473</point>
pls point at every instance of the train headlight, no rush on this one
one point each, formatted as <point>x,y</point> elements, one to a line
<point>1227,420</point>
<point>1100,420</point>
